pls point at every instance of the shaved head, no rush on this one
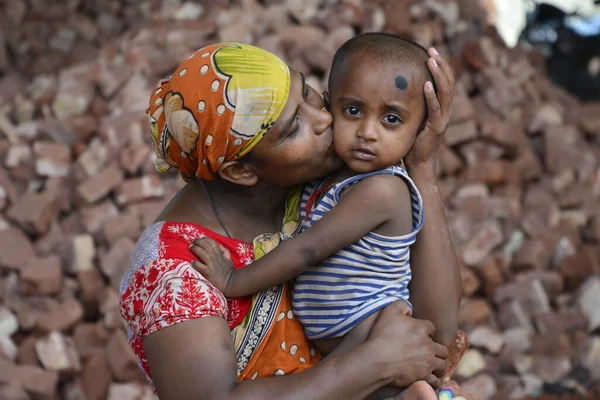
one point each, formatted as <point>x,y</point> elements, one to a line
<point>381,48</point>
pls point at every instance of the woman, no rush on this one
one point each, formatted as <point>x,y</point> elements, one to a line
<point>250,129</point>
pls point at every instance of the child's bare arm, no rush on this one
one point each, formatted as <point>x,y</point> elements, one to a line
<point>364,207</point>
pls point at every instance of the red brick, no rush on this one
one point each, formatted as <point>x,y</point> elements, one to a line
<point>117,261</point>
<point>94,217</point>
<point>52,159</point>
<point>461,132</point>
<point>121,359</point>
<point>450,163</point>
<point>138,189</point>
<point>490,172</point>
<point>561,322</point>
<point>91,283</point>
<point>42,276</point>
<point>491,275</point>
<point>473,312</point>
<point>38,383</point>
<point>27,354</point>
<point>530,293</point>
<point>484,241</point>
<point>125,225</point>
<point>94,158</point>
<point>132,157</point>
<point>534,254</point>
<point>97,377</point>
<point>101,184</point>
<point>60,316</point>
<point>15,249</point>
<point>90,339</point>
<point>577,268</point>
<point>57,353</point>
<point>36,211</point>
<point>470,281</point>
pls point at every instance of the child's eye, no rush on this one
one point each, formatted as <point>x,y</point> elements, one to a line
<point>352,111</point>
<point>392,119</point>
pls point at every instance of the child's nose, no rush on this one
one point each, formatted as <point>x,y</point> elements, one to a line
<point>367,132</point>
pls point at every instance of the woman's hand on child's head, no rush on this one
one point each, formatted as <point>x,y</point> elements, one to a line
<point>214,262</point>
<point>439,111</point>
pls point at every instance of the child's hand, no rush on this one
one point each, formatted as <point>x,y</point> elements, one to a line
<point>215,262</point>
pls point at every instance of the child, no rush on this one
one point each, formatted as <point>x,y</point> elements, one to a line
<point>354,259</point>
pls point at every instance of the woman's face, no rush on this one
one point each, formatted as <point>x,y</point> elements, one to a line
<point>299,147</point>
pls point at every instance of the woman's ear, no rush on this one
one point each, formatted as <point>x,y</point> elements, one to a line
<point>327,101</point>
<point>238,173</point>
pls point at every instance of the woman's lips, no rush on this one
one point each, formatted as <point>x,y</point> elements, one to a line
<point>362,154</point>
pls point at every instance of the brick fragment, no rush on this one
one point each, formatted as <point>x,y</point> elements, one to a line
<point>15,249</point>
<point>37,382</point>
<point>90,339</point>
<point>97,377</point>
<point>92,288</point>
<point>470,281</point>
<point>27,354</point>
<point>94,217</point>
<point>473,311</point>
<point>101,184</point>
<point>117,261</point>
<point>561,322</point>
<point>60,316</point>
<point>125,225</point>
<point>121,359</point>
<point>484,241</point>
<point>132,157</point>
<point>129,391</point>
<point>487,338</point>
<point>36,211</point>
<point>461,132</point>
<point>94,158</point>
<point>42,276</point>
<point>138,189</point>
<point>80,253</point>
<point>588,300</point>
<point>57,353</point>
<point>534,254</point>
<point>52,159</point>
<point>12,391</point>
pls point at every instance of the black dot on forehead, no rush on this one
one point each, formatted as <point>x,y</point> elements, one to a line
<point>401,82</point>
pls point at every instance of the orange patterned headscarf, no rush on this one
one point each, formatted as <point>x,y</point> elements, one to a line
<point>216,107</point>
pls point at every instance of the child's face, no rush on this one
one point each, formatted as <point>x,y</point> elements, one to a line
<point>377,110</point>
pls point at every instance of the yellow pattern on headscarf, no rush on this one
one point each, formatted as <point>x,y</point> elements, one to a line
<point>216,107</point>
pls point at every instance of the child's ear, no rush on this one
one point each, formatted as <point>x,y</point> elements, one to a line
<point>327,100</point>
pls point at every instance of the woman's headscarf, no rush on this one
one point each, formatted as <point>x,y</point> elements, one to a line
<point>216,107</point>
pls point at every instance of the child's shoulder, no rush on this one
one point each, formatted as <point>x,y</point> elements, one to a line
<point>386,188</point>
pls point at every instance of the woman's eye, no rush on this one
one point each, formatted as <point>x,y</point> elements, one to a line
<point>392,119</point>
<point>295,129</point>
<point>353,111</point>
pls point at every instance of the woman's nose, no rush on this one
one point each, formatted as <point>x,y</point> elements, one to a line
<point>323,121</point>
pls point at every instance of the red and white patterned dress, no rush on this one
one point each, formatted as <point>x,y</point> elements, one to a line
<point>162,288</point>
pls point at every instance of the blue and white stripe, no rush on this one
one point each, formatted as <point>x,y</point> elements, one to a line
<point>334,297</point>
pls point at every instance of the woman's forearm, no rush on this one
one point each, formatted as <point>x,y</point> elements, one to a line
<point>195,360</point>
<point>436,287</point>
<point>345,377</point>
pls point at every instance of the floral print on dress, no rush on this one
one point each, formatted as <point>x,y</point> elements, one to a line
<point>168,290</point>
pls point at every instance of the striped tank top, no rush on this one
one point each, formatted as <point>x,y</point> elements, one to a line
<point>335,296</point>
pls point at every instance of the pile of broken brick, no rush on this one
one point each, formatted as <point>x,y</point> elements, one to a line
<point>519,175</point>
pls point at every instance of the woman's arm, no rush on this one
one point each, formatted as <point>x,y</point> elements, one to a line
<point>363,207</point>
<point>195,360</point>
<point>436,284</point>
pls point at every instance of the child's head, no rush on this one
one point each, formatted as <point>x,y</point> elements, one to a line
<point>377,99</point>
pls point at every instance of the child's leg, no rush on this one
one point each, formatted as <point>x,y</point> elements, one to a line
<point>341,345</point>
<point>358,335</point>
